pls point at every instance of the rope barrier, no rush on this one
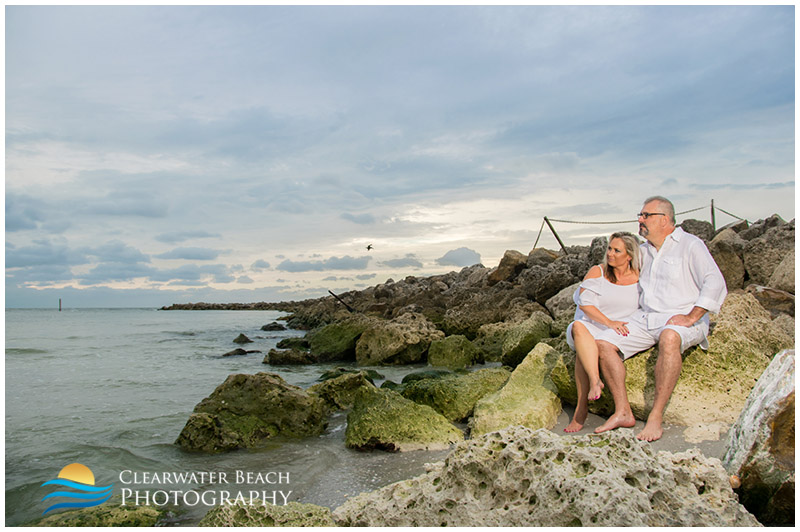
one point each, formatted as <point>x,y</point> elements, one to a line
<point>630,221</point>
<point>729,214</point>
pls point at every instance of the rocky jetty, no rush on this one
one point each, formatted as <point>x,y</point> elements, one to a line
<point>520,477</point>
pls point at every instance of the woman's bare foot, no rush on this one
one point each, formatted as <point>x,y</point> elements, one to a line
<point>574,426</point>
<point>617,420</point>
<point>595,390</point>
<point>578,419</point>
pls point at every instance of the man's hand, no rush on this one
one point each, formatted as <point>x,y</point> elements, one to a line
<point>682,320</point>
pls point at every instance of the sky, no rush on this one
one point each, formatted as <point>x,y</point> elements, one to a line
<point>159,155</point>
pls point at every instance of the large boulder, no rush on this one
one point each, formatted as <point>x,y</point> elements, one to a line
<point>339,393</point>
<point>384,419</point>
<point>757,229</point>
<point>490,339</point>
<point>337,341</point>
<point>247,410</point>
<point>520,477</point>
<point>454,396</point>
<point>762,255</point>
<point>293,514</point>
<point>453,352</point>
<point>562,307</point>
<point>289,357</point>
<point>528,398</point>
<point>775,301</point>
<point>713,385</point>
<point>403,340</point>
<point>727,248</point>
<point>783,276</point>
<point>541,257</point>
<point>699,228</point>
<point>510,265</point>
<point>760,448</point>
<point>111,513</point>
<point>524,336</point>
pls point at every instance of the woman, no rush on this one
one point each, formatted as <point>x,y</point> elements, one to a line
<point>608,294</point>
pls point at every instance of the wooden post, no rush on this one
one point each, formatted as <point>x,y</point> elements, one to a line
<point>59,304</point>
<point>560,243</point>
<point>713,219</point>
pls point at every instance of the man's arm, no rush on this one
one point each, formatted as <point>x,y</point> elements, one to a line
<point>687,320</point>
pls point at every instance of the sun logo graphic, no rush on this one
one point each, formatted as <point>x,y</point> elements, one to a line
<point>79,478</point>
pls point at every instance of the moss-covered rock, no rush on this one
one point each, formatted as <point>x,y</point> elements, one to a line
<point>453,352</point>
<point>289,357</point>
<point>246,410</point>
<point>242,339</point>
<point>490,338</point>
<point>454,396</point>
<point>529,398</point>
<point>384,419</point>
<point>339,392</point>
<point>293,343</point>
<point>291,514</point>
<point>370,374</point>
<point>337,341</point>
<point>521,338</point>
<point>104,515</point>
<point>425,374</point>
<point>713,385</point>
<point>403,340</point>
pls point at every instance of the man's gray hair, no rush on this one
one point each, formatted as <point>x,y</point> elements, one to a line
<point>669,208</point>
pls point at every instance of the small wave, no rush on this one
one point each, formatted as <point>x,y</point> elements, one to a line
<point>181,333</point>
<point>25,351</point>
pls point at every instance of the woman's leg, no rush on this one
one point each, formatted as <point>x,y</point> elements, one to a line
<point>582,408</point>
<point>586,350</point>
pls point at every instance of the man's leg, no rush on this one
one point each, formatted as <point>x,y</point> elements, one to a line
<point>613,371</point>
<point>667,371</point>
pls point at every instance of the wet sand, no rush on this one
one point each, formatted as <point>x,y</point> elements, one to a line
<point>674,438</point>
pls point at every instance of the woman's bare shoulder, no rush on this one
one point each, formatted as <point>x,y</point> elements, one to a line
<point>594,272</point>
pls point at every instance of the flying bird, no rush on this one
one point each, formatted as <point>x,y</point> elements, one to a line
<point>369,247</point>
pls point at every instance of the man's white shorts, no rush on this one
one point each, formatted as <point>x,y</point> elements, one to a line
<point>640,338</point>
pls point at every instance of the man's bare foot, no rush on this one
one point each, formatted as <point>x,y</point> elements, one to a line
<point>651,431</point>
<point>595,390</point>
<point>617,420</point>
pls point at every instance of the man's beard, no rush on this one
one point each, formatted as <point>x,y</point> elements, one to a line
<point>643,231</point>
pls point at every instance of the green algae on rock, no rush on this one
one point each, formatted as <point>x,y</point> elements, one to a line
<point>521,338</point>
<point>337,340</point>
<point>246,410</point>
<point>384,419</point>
<point>104,515</point>
<point>454,396</point>
<point>339,392</point>
<point>453,352</point>
<point>292,514</point>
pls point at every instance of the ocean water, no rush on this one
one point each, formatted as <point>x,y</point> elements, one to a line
<point>112,388</point>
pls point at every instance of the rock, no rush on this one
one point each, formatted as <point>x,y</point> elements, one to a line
<point>108,514</point>
<point>520,477</point>
<point>274,326</point>
<point>339,392</point>
<point>425,374</point>
<point>727,248</point>
<point>698,228</point>
<point>541,257</point>
<point>370,374</point>
<point>713,385</point>
<point>242,339</point>
<point>760,227</point>
<point>762,255</point>
<point>760,448</point>
<point>510,265</point>
<point>454,396</point>
<point>490,340</point>
<point>528,398</point>
<point>783,276</point>
<point>541,283</point>
<point>235,353</point>
<point>773,300</point>
<point>384,419</point>
<point>404,340</point>
<point>524,336</point>
<point>293,343</point>
<point>292,514</point>
<point>785,323</point>
<point>247,410</point>
<point>561,305</point>
<point>597,250</point>
<point>289,357</point>
<point>453,352</point>
<point>471,310</point>
<point>337,341</point>
<point>738,226</point>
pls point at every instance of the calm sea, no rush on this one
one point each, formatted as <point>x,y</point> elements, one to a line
<point>112,388</point>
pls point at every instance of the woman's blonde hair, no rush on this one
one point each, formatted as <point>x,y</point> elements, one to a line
<point>631,242</point>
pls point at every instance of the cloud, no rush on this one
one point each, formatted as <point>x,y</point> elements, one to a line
<point>259,265</point>
<point>366,277</point>
<point>409,261</point>
<point>115,271</point>
<point>116,251</point>
<point>244,280</point>
<point>361,219</point>
<point>43,252</point>
<point>182,236</point>
<point>23,212</point>
<point>127,203</point>
<point>334,263</point>
<point>190,253</point>
<point>459,257</point>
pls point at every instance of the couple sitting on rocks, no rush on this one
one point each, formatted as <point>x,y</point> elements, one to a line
<point>656,292</point>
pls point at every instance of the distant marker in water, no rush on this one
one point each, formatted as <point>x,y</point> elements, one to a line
<point>59,304</point>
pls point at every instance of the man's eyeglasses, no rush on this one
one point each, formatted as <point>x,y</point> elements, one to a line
<point>647,215</point>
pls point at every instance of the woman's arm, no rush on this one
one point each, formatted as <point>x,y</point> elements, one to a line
<point>593,313</point>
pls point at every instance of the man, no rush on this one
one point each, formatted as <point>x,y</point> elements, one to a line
<point>680,284</point>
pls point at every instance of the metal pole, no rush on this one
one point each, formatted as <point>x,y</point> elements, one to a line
<point>556,235</point>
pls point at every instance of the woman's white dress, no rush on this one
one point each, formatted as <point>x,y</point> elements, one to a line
<point>616,301</point>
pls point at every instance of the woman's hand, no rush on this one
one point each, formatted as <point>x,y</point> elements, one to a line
<point>619,327</point>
